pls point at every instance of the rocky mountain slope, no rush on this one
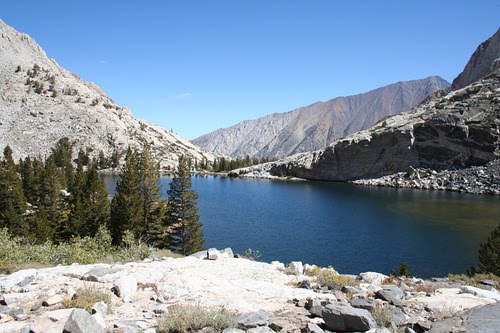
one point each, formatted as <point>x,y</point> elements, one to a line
<point>264,298</point>
<point>41,102</point>
<point>485,59</point>
<point>317,125</point>
<point>459,130</point>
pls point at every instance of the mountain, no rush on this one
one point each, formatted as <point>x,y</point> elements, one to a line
<point>485,59</point>
<point>41,102</point>
<point>458,130</point>
<point>317,125</point>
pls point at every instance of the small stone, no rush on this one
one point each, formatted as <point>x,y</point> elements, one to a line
<point>366,304</point>
<point>304,284</point>
<point>316,310</point>
<point>253,319</point>
<point>263,329</point>
<point>125,287</point>
<point>313,328</point>
<point>162,308</point>
<point>56,299</point>
<point>100,308</point>
<point>312,302</point>
<point>233,330</point>
<point>296,267</point>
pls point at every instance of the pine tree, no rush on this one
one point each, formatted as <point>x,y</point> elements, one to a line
<point>12,200</point>
<point>489,253</point>
<point>127,204</point>
<point>95,204</point>
<point>53,201</point>
<point>76,219</point>
<point>185,233</point>
<point>153,206</point>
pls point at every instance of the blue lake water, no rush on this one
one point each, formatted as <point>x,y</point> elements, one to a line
<point>352,228</point>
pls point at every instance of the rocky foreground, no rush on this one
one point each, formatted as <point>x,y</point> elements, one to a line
<point>266,297</point>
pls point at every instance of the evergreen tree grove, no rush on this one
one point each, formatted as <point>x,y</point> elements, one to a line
<point>12,200</point>
<point>184,235</point>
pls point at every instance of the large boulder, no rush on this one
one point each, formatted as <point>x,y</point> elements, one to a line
<point>484,319</point>
<point>253,319</point>
<point>372,277</point>
<point>391,294</point>
<point>19,278</point>
<point>347,318</point>
<point>80,321</point>
<point>296,267</point>
<point>125,287</point>
<point>491,294</point>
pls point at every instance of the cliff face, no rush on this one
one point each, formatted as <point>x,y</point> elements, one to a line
<point>41,102</point>
<point>317,125</point>
<point>458,130</point>
<point>485,59</point>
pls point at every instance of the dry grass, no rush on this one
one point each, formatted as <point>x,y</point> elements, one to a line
<point>86,297</point>
<point>160,253</point>
<point>191,318</point>
<point>391,279</point>
<point>382,316</point>
<point>425,288</point>
<point>7,267</point>
<point>328,277</point>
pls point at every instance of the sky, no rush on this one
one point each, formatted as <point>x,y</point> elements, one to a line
<point>196,66</point>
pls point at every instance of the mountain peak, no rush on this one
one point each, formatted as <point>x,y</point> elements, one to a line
<point>482,62</point>
<point>41,102</point>
<point>318,124</point>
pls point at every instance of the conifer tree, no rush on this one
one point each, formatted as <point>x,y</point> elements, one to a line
<point>76,218</point>
<point>12,200</point>
<point>127,204</point>
<point>53,201</point>
<point>153,206</point>
<point>95,204</point>
<point>185,234</point>
<point>489,253</point>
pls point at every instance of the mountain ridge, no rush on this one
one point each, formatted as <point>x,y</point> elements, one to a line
<point>43,101</point>
<point>318,124</point>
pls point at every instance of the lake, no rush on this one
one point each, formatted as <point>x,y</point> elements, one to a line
<point>352,228</point>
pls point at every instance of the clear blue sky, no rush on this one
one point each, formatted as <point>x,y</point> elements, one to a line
<point>195,66</point>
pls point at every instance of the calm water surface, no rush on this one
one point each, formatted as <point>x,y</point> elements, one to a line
<point>352,228</point>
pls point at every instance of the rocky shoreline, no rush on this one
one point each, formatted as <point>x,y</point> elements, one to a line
<point>265,297</point>
<point>475,180</point>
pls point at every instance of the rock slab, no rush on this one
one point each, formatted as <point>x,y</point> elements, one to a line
<point>347,318</point>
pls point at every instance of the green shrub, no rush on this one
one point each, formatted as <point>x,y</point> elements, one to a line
<point>191,318</point>
<point>82,250</point>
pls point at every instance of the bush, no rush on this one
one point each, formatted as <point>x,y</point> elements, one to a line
<point>252,254</point>
<point>82,250</point>
<point>86,297</point>
<point>191,318</point>
<point>329,278</point>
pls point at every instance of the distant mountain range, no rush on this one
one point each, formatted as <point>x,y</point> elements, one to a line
<point>41,102</point>
<point>457,130</point>
<point>319,124</point>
